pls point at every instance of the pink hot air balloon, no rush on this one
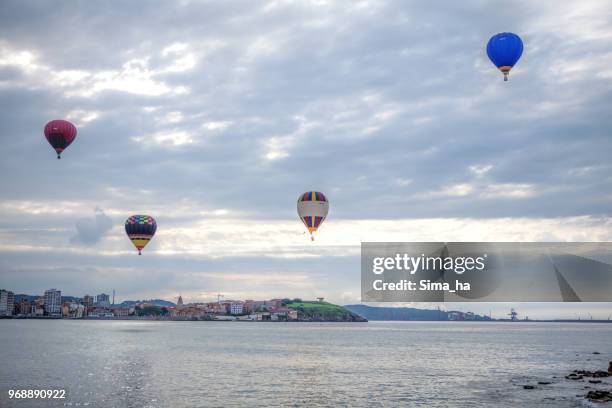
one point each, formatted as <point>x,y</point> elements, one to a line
<point>60,133</point>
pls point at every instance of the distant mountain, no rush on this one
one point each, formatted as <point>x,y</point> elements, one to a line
<point>396,313</point>
<point>156,302</point>
<point>29,298</point>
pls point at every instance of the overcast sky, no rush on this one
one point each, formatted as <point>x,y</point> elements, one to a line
<point>214,116</point>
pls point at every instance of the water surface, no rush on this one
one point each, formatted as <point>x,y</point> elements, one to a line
<point>221,364</point>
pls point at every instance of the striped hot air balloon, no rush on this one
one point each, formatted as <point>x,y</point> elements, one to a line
<point>312,208</point>
<point>140,229</point>
<point>60,133</point>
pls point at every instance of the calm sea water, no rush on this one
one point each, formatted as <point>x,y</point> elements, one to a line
<point>221,364</point>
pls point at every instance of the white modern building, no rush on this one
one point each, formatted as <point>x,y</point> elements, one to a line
<point>236,308</point>
<point>53,302</point>
<point>7,302</point>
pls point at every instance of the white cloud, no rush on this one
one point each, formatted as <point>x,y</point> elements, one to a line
<point>402,182</point>
<point>82,117</point>
<point>229,237</point>
<point>509,190</point>
<point>41,208</point>
<point>135,75</point>
<point>456,190</point>
<point>276,148</point>
<point>173,117</point>
<point>175,48</point>
<point>216,125</point>
<point>175,138</point>
<point>481,169</point>
<point>183,59</point>
<point>22,59</point>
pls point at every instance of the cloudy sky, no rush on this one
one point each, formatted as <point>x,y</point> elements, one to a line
<point>214,116</point>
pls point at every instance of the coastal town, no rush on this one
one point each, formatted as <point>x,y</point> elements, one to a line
<point>51,304</point>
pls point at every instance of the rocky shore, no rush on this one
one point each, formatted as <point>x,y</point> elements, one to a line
<point>598,395</point>
<point>599,390</point>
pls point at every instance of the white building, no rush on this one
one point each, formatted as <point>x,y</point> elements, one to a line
<point>53,302</point>
<point>236,308</point>
<point>7,302</point>
<point>77,310</point>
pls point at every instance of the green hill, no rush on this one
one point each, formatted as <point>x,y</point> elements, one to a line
<point>323,312</point>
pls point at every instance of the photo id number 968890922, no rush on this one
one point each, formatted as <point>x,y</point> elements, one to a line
<point>37,394</point>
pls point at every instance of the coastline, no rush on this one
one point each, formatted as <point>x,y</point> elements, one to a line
<point>362,320</point>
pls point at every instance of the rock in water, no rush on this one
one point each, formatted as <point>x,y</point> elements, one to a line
<point>600,374</point>
<point>610,367</point>
<point>599,396</point>
<point>587,373</point>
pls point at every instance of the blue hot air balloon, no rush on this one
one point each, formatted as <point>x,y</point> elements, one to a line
<point>504,50</point>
